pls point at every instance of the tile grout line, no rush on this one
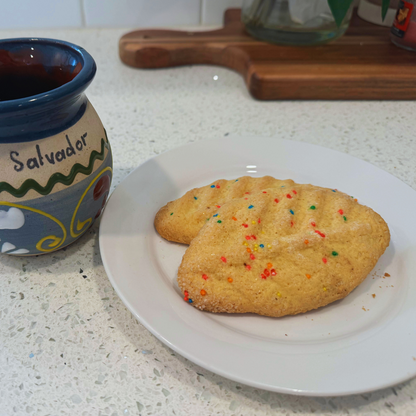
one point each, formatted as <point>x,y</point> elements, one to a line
<point>83,17</point>
<point>201,12</point>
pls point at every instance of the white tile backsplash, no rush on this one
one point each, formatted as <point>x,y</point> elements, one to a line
<point>112,13</point>
<point>213,10</point>
<point>40,14</point>
<point>142,13</point>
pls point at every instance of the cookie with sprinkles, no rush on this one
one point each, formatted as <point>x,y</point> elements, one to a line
<point>289,259</point>
<point>181,220</point>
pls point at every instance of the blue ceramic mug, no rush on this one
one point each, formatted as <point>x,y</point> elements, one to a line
<point>55,159</point>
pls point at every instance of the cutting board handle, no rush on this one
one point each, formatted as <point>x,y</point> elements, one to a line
<point>153,48</point>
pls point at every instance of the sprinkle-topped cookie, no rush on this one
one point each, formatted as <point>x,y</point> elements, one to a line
<point>194,208</point>
<point>294,260</point>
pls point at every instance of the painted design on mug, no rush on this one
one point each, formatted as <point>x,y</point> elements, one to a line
<point>56,177</point>
<point>102,188</point>
<point>56,241</point>
<point>8,247</point>
<point>13,219</point>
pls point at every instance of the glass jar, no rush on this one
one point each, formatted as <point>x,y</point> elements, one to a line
<point>403,31</point>
<point>292,22</point>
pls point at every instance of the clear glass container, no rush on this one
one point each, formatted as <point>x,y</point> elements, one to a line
<point>292,22</point>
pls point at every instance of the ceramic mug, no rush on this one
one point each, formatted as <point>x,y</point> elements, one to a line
<point>55,158</point>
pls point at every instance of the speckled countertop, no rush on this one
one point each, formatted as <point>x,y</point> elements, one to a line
<point>68,345</point>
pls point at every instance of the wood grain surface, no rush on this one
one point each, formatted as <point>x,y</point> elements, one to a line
<point>363,64</point>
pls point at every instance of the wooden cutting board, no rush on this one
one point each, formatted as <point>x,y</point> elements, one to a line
<point>363,64</point>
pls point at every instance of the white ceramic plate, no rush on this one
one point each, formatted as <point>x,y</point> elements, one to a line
<point>337,350</point>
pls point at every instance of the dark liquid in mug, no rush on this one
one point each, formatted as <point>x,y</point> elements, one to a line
<point>14,85</point>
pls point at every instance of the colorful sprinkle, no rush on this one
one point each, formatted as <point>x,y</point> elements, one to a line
<point>247,193</point>
<point>218,206</point>
<point>219,221</point>
<point>246,199</point>
<point>236,180</point>
<point>313,224</point>
<point>207,219</point>
<point>306,241</point>
<point>248,250</point>
<point>255,245</point>
<point>245,243</point>
<point>224,259</point>
<point>230,279</point>
<point>253,222</point>
<point>31,355</point>
<point>248,237</point>
<point>266,272</point>
<point>321,234</point>
<point>345,218</point>
<point>279,294</point>
<point>259,221</point>
<point>292,212</point>
<point>292,223</point>
<point>269,265</point>
<point>341,211</point>
<point>218,186</point>
<point>186,293</point>
<point>355,199</point>
<point>333,190</point>
<point>216,215</point>
<point>212,186</point>
<point>324,260</point>
<point>248,267</point>
<point>203,292</point>
<point>171,213</point>
<point>252,257</point>
<point>195,198</point>
<point>262,245</point>
<point>190,300</point>
<point>204,276</point>
<point>334,253</point>
<point>255,248</point>
<point>245,225</point>
<point>289,196</point>
<point>251,206</point>
<point>234,218</point>
<point>324,289</point>
<point>312,207</point>
<point>263,276</point>
<point>264,192</point>
<point>273,272</point>
<point>254,237</point>
<point>276,200</point>
<point>269,246</point>
<point>308,276</point>
<point>294,192</point>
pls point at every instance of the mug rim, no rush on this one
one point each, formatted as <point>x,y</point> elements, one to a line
<point>78,84</point>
